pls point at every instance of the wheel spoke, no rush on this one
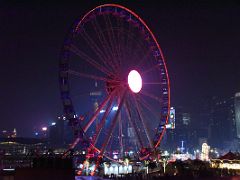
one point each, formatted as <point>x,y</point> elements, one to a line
<point>113,123</point>
<point>127,49</point>
<point>113,40</point>
<point>152,83</point>
<point>90,76</point>
<point>151,69</point>
<point>107,43</point>
<point>88,59</point>
<point>147,106</point>
<point>120,132</point>
<point>150,96</point>
<point>72,146</point>
<point>143,122</point>
<point>112,127</point>
<point>111,43</point>
<point>75,143</point>
<point>120,40</point>
<point>104,43</point>
<point>95,48</point>
<point>144,59</point>
<point>133,124</point>
<point>102,121</point>
<point>92,119</point>
<point>138,51</point>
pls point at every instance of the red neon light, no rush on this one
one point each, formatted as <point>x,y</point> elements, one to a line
<point>155,40</point>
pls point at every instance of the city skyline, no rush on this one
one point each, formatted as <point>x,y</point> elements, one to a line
<point>199,42</point>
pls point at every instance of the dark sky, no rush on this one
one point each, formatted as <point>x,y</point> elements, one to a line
<point>200,41</point>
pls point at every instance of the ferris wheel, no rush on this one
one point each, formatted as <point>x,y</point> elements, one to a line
<point>113,68</point>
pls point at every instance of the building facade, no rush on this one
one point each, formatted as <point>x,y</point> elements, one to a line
<point>222,119</point>
<point>237,113</point>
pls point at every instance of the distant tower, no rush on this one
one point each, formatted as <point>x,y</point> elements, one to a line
<point>237,112</point>
<point>171,121</point>
<point>131,137</point>
<point>186,119</point>
<point>205,152</point>
<point>182,147</point>
<point>14,134</point>
<point>95,95</point>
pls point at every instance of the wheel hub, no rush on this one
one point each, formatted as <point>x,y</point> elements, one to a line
<point>134,81</point>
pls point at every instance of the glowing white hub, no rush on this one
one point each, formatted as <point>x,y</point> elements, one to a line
<point>134,81</point>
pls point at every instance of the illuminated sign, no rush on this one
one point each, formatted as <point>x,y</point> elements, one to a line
<point>171,120</point>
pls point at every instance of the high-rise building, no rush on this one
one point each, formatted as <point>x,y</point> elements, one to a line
<point>60,133</point>
<point>184,132</point>
<point>9,134</point>
<point>178,117</point>
<point>186,119</point>
<point>131,140</point>
<point>237,112</point>
<point>179,129</point>
<point>205,152</point>
<point>171,120</point>
<point>222,128</point>
<point>95,95</point>
<point>14,133</point>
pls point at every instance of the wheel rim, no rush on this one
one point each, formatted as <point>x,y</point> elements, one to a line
<point>111,40</point>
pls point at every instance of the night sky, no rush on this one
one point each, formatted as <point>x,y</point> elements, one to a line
<point>200,41</point>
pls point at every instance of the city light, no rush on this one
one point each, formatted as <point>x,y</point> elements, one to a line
<point>112,112</point>
<point>205,152</point>
<point>102,111</point>
<point>117,169</point>
<point>8,169</point>
<point>44,128</point>
<point>115,108</point>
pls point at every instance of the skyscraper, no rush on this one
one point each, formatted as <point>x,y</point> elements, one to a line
<point>95,96</point>
<point>186,119</point>
<point>60,133</point>
<point>237,112</point>
<point>222,128</point>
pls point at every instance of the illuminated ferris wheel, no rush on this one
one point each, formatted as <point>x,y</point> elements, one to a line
<point>112,51</point>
